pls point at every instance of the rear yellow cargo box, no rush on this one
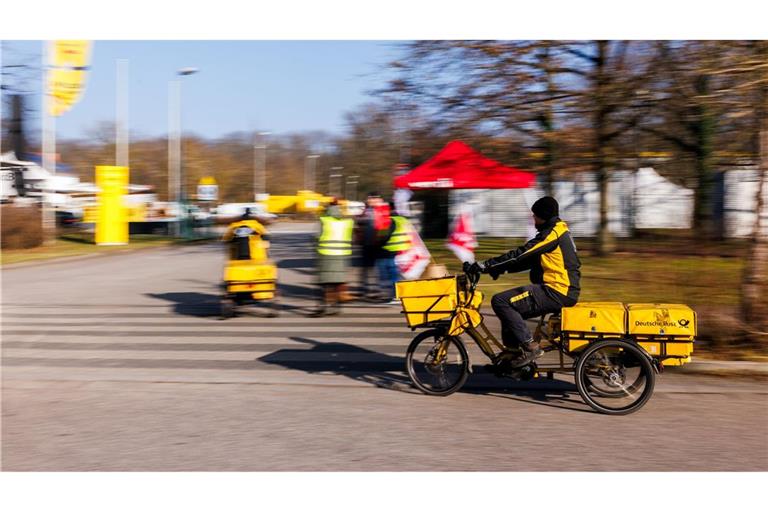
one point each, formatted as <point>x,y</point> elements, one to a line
<point>248,271</point>
<point>676,320</point>
<point>672,353</point>
<point>427,300</point>
<point>595,317</point>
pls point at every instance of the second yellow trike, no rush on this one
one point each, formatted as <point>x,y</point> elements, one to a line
<point>249,275</point>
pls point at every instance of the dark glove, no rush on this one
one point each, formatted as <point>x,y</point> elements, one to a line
<point>494,274</point>
<point>473,268</point>
<point>477,267</point>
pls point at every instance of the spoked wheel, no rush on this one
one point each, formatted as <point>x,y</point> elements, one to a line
<point>438,364</point>
<point>614,377</point>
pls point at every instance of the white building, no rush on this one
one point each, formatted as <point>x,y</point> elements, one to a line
<point>657,202</point>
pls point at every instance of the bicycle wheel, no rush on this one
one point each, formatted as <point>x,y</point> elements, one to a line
<point>437,364</point>
<point>614,377</point>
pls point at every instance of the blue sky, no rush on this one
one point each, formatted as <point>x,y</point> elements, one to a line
<point>277,86</point>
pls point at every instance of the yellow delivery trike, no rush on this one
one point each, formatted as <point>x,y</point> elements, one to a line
<point>614,350</point>
<point>249,275</point>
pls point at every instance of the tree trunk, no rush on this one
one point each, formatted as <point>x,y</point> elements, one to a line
<point>703,208</point>
<point>549,155</point>
<point>549,126</point>
<point>605,242</point>
<point>754,296</point>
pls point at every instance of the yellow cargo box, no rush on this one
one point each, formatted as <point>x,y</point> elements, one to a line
<point>675,320</point>
<point>671,353</point>
<point>248,271</point>
<point>595,318</point>
<point>427,300</point>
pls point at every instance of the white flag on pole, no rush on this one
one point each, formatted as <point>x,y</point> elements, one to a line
<point>413,261</point>
<point>462,240</point>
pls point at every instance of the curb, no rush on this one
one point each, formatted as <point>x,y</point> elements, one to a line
<point>67,259</point>
<point>723,368</point>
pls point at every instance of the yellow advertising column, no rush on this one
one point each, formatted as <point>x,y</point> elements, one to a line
<point>112,220</point>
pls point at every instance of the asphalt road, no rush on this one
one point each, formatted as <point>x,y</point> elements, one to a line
<point>121,363</point>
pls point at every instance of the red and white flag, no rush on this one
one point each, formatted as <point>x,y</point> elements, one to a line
<point>412,262</point>
<point>462,240</point>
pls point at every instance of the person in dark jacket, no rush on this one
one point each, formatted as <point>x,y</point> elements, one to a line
<point>371,233</point>
<point>553,262</point>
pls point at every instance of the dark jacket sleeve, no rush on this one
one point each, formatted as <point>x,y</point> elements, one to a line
<point>523,257</point>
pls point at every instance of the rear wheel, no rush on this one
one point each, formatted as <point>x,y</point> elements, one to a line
<point>438,364</point>
<point>614,377</point>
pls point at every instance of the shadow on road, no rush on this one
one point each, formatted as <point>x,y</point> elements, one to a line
<point>296,263</point>
<point>191,303</point>
<point>298,291</point>
<point>381,370</point>
<point>557,394</point>
<point>388,372</point>
<point>209,305</point>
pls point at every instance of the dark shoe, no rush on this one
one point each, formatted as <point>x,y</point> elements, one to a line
<point>531,352</point>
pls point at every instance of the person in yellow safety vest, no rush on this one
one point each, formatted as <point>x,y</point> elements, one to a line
<point>249,240</point>
<point>399,240</point>
<point>334,250</point>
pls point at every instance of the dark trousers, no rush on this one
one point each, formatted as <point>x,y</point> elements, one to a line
<point>387,276</point>
<point>514,306</point>
<point>367,271</point>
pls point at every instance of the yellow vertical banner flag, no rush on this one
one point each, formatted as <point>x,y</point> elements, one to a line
<point>68,61</point>
<point>112,219</point>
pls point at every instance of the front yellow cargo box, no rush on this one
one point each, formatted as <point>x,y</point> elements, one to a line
<point>677,320</point>
<point>595,317</point>
<point>427,300</point>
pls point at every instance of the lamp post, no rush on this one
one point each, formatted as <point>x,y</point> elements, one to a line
<point>352,181</point>
<point>176,171</point>
<point>309,172</point>
<point>335,172</point>
<point>260,164</point>
<point>121,113</point>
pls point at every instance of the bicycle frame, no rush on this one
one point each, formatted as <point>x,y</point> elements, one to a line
<point>495,350</point>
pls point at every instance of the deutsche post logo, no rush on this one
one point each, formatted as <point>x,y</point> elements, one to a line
<point>684,322</point>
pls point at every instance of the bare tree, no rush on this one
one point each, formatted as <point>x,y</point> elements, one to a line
<point>543,90</point>
<point>754,297</point>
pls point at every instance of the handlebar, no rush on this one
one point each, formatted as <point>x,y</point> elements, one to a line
<point>473,278</point>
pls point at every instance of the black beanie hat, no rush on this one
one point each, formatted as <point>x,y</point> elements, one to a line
<point>546,208</point>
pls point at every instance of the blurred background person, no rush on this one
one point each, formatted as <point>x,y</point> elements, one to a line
<point>334,249</point>
<point>372,230</point>
<point>398,240</point>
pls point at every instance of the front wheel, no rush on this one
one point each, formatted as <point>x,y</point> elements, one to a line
<point>614,377</point>
<point>438,364</point>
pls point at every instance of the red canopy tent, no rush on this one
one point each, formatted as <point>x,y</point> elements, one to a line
<point>459,166</point>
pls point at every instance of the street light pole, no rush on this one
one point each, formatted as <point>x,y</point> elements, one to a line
<point>352,180</point>
<point>121,113</point>
<point>260,164</point>
<point>48,150</point>
<point>332,190</point>
<point>174,147</point>
<point>309,172</point>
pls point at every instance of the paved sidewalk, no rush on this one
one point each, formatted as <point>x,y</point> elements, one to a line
<point>716,367</point>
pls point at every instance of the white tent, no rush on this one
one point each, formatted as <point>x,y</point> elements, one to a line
<point>659,203</point>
